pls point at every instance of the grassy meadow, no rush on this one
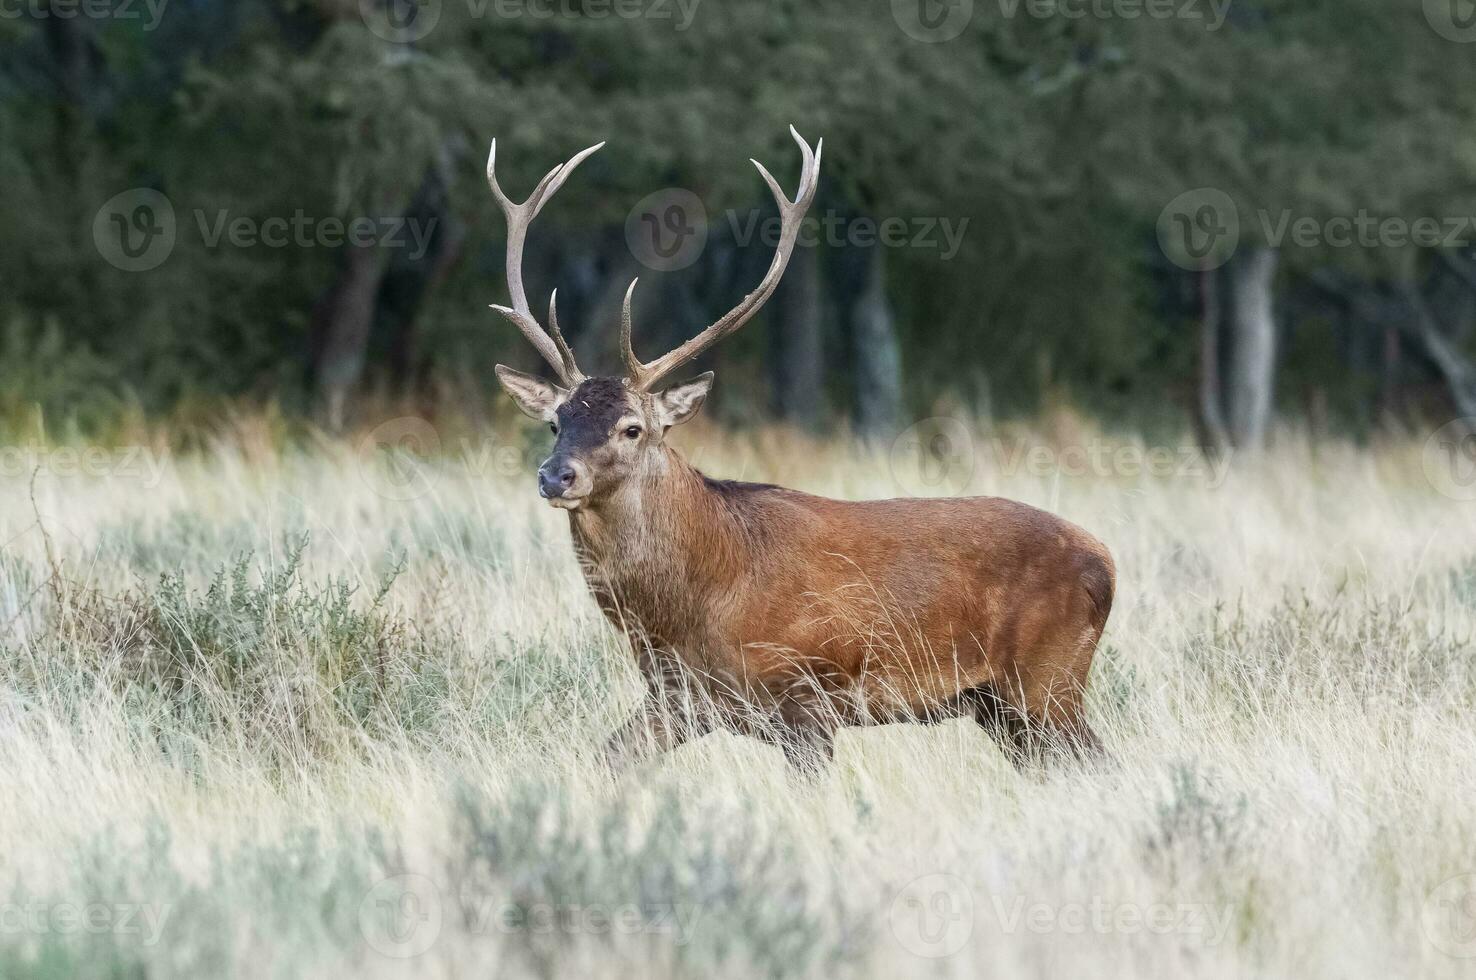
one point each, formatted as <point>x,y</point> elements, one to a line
<point>311,707</point>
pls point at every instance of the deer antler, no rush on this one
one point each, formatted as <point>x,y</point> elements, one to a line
<point>645,376</point>
<point>550,343</point>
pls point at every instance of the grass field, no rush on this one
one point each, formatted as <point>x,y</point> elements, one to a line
<point>327,711</point>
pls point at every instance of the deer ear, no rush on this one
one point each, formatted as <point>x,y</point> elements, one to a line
<point>677,405</point>
<point>537,398</point>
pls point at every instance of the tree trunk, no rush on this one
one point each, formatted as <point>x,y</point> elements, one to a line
<point>1214,434</point>
<point>1252,373</point>
<point>1407,309</point>
<point>877,353</point>
<point>797,342</point>
<point>1458,370</point>
<point>405,356</point>
<point>341,324</point>
<point>1389,366</point>
<point>411,279</point>
<point>596,340</point>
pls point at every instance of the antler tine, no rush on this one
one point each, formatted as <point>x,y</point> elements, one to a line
<point>555,178</point>
<point>791,213</point>
<point>566,353</point>
<point>633,365</point>
<point>549,343</point>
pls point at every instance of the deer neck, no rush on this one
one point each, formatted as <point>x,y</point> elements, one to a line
<point>659,542</point>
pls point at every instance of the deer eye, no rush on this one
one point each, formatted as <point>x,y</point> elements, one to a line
<point>553,427</point>
<point>633,432</point>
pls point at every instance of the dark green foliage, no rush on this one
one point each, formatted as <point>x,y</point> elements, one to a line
<point>1058,140</point>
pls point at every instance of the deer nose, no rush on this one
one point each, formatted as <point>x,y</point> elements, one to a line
<point>555,476</point>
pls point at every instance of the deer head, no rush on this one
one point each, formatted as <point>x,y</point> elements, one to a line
<point>611,428</point>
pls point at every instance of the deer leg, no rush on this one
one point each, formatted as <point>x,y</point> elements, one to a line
<point>1004,723</point>
<point>1034,726</point>
<point>801,717</point>
<point>670,714</point>
<point>1052,699</point>
<point>659,725</point>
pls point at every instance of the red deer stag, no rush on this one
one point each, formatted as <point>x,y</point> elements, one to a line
<point>794,615</point>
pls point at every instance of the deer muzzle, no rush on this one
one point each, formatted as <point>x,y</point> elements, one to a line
<point>563,480</point>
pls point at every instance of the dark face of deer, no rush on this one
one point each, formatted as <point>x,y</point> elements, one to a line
<point>612,429</point>
<point>607,431</point>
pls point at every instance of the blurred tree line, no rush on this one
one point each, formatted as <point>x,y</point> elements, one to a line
<point>1053,148</point>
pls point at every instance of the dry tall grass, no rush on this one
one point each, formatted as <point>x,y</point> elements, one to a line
<point>315,711</point>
